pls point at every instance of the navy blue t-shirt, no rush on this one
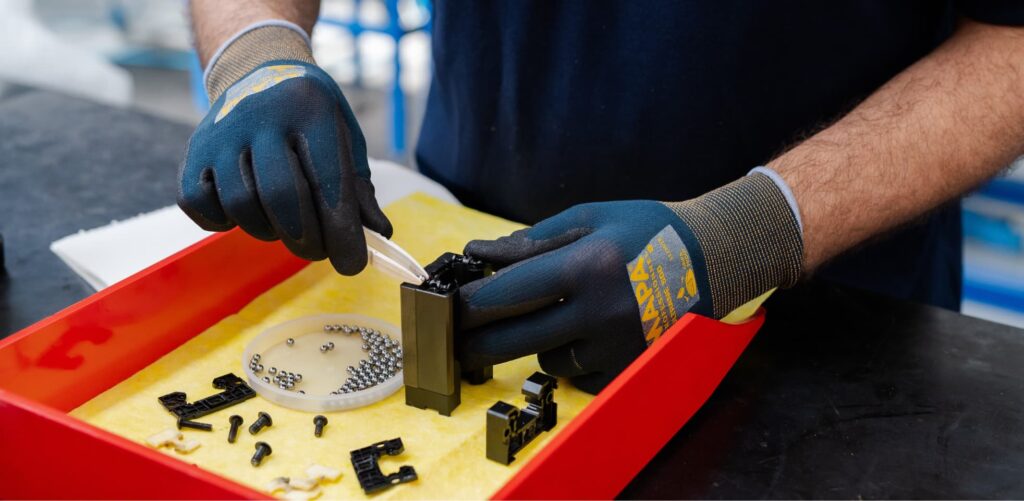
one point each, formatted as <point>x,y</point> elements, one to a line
<point>539,105</point>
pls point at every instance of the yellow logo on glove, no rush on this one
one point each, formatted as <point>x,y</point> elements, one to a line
<point>257,81</point>
<point>663,282</point>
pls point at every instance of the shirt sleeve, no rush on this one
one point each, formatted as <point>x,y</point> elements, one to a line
<point>1004,12</point>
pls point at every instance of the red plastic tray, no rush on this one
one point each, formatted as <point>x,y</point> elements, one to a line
<point>67,359</point>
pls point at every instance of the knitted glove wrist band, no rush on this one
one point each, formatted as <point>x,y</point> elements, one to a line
<point>252,46</point>
<point>750,238</point>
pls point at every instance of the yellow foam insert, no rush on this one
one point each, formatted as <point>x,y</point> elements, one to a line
<point>447,452</point>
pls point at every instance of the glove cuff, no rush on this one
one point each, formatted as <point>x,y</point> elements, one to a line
<point>251,47</point>
<point>750,238</point>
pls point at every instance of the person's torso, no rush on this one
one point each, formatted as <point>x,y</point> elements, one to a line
<point>536,106</point>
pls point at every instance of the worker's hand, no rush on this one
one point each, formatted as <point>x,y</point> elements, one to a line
<point>590,288</point>
<point>281,155</point>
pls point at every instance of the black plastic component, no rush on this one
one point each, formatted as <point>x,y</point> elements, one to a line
<point>319,422</point>
<point>365,462</point>
<point>264,420</point>
<point>195,425</point>
<point>510,429</point>
<point>431,372</point>
<point>262,450</point>
<point>235,391</point>
<point>235,421</point>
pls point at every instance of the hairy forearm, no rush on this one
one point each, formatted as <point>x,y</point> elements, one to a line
<point>936,130</point>
<point>214,21</point>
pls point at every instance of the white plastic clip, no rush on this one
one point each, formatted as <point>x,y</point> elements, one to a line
<point>322,473</point>
<point>172,438</point>
<point>304,488</point>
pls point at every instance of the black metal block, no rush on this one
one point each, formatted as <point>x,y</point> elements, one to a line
<point>431,372</point>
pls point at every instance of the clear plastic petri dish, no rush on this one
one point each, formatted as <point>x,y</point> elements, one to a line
<point>319,358</point>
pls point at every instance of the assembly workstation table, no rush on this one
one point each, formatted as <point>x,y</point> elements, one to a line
<point>842,394</point>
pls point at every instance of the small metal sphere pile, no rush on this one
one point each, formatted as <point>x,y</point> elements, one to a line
<point>384,359</point>
<point>284,380</point>
<point>254,364</point>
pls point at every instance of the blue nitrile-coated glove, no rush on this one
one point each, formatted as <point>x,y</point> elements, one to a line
<point>590,288</point>
<point>280,153</point>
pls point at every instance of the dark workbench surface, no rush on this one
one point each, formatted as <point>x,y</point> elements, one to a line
<point>67,164</point>
<point>845,394</point>
<point>842,395</point>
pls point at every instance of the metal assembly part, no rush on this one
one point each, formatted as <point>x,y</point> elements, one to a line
<point>235,421</point>
<point>262,450</point>
<point>261,422</point>
<point>195,425</point>
<point>272,371</point>
<point>235,391</point>
<point>432,374</point>
<point>290,342</point>
<point>319,422</point>
<point>509,429</point>
<point>371,478</point>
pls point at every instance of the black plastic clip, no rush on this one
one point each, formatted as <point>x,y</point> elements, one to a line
<point>509,429</point>
<point>235,391</point>
<point>365,462</point>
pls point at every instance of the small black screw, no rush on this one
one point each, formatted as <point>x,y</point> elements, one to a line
<point>319,421</point>
<point>235,421</point>
<point>262,450</point>
<point>195,425</point>
<point>261,422</point>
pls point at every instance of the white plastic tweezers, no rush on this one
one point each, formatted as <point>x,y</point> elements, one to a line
<point>388,257</point>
